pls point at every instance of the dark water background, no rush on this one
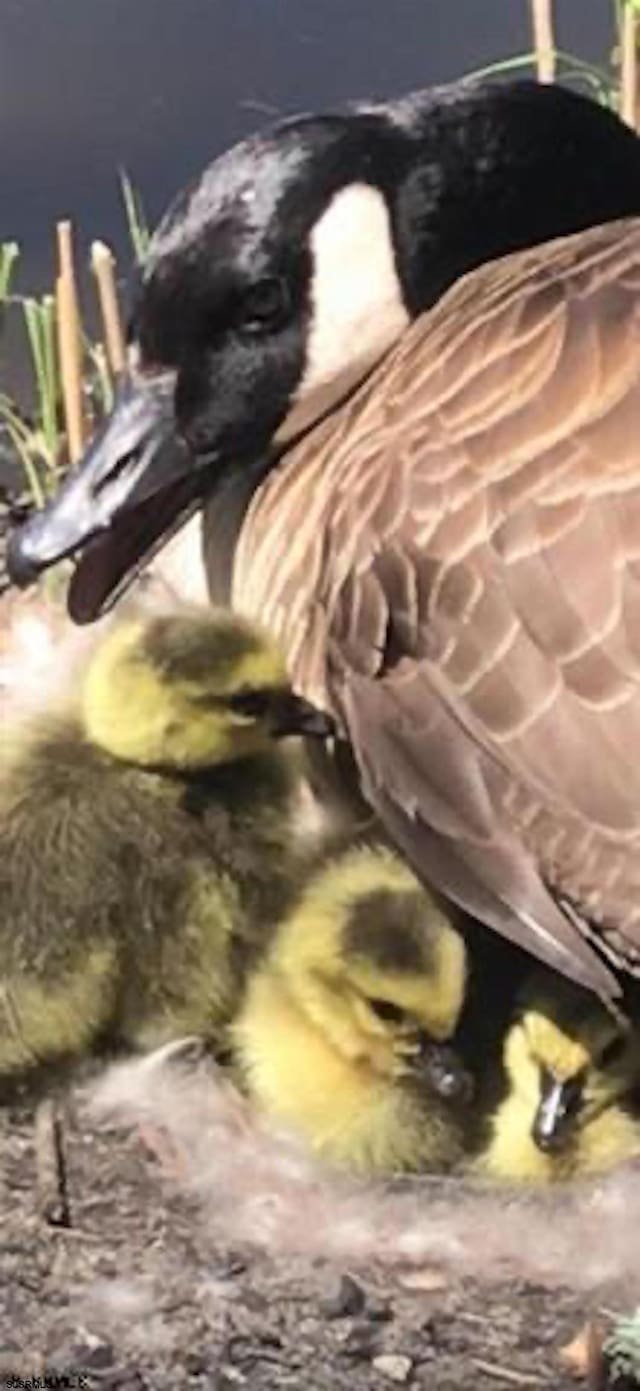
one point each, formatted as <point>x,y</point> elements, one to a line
<point>161,86</point>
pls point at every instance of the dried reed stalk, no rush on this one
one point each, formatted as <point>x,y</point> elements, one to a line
<point>69,342</point>
<point>543,39</point>
<point>103,266</point>
<point>629,66</point>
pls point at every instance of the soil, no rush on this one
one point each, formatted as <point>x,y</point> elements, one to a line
<point>132,1296</point>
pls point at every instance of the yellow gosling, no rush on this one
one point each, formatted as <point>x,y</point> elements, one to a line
<point>146,839</point>
<point>341,1034</point>
<point>573,1088</point>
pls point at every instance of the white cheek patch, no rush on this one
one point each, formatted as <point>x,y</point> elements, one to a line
<point>357,306</point>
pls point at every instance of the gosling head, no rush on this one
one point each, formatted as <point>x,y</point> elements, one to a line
<point>569,1060</point>
<point>190,690</point>
<point>378,967</point>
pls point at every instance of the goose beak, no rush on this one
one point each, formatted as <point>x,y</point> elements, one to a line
<point>555,1117</point>
<point>445,1072</point>
<point>137,484</point>
<point>292,714</point>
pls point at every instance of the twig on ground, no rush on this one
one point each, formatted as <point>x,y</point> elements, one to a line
<point>51,1174</point>
<point>508,1374</point>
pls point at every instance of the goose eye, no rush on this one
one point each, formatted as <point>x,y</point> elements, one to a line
<point>613,1052</point>
<point>384,1009</point>
<point>251,703</point>
<point>265,305</point>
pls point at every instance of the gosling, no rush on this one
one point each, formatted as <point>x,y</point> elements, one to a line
<point>145,839</point>
<point>341,1032</point>
<point>573,1083</point>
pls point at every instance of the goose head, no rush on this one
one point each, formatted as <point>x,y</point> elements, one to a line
<point>200,689</point>
<point>571,1062</point>
<point>343,1032</point>
<point>286,272</point>
<point>373,961</point>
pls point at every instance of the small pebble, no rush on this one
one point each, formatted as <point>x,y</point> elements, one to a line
<point>346,1300</point>
<point>378,1310</point>
<point>361,1342</point>
<point>231,1266</point>
<point>426,1279</point>
<point>229,1377</point>
<point>195,1364</point>
<point>582,1357</point>
<point>393,1365</point>
<point>94,1355</point>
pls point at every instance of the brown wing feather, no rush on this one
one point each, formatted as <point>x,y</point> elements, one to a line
<point>426,780</point>
<point>471,566</point>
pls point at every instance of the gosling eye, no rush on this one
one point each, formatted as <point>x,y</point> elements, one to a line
<point>392,1014</point>
<point>613,1052</point>
<point>253,704</point>
<point>265,306</point>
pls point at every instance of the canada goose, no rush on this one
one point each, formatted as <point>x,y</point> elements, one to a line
<point>341,1031</point>
<point>438,519</point>
<point>146,839</point>
<point>572,1105</point>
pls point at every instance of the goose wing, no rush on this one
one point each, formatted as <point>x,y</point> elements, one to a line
<point>483,640</point>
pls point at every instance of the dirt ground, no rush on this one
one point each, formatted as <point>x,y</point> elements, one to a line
<point>133,1296</point>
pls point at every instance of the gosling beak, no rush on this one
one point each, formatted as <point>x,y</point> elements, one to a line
<point>292,714</point>
<point>445,1072</point>
<point>137,484</point>
<point>556,1115</point>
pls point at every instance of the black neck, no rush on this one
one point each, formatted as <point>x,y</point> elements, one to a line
<point>501,167</point>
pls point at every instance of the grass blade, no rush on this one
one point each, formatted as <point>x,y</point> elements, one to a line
<point>137,225</point>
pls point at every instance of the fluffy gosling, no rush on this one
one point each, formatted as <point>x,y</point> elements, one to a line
<point>573,1082</point>
<point>145,839</point>
<point>341,1032</point>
